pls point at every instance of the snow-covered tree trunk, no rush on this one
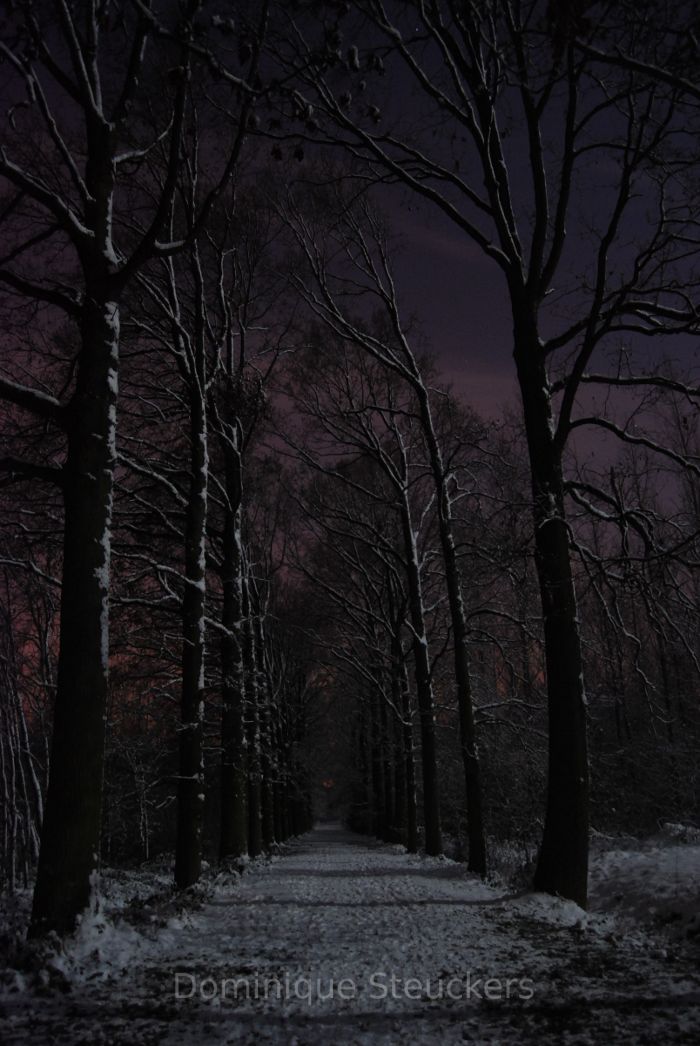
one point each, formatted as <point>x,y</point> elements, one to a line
<point>424,686</point>
<point>279,784</point>
<point>252,724</point>
<point>400,782</point>
<point>267,755</point>
<point>283,744</point>
<point>190,792</point>
<point>409,763</point>
<point>233,840</point>
<point>460,637</point>
<point>275,691</point>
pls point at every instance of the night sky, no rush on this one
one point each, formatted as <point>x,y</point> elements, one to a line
<point>459,298</point>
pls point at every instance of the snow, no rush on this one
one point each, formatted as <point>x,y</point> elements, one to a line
<point>345,940</point>
<point>657,886</point>
<point>102,574</point>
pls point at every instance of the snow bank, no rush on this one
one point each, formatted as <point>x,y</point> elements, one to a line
<point>134,916</point>
<point>658,886</point>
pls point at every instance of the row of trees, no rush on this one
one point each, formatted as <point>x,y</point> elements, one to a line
<point>197,660</point>
<point>644,765</point>
<point>122,253</point>
<point>519,111</point>
<point>148,284</point>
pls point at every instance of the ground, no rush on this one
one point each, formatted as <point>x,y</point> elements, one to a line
<point>344,940</point>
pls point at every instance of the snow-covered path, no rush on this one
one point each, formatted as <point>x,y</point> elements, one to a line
<point>360,943</point>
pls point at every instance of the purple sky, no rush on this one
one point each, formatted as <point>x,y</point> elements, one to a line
<point>459,297</point>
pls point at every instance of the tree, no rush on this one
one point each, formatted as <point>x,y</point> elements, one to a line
<point>525,120</point>
<point>349,253</point>
<point>363,420</point>
<point>84,210</point>
<point>252,334</point>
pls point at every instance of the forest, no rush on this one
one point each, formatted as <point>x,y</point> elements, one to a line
<point>274,548</point>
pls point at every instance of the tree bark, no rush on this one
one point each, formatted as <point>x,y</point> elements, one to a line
<point>252,727</point>
<point>388,798</point>
<point>400,783</point>
<point>378,826</point>
<point>562,866</point>
<point>70,838</point>
<point>190,793</point>
<point>267,754</point>
<point>409,765</point>
<point>424,690</point>
<point>233,841</point>
<point>467,732</point>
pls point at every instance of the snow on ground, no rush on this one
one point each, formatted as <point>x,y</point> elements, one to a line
<point>346,941</point>
<point>657,884</point>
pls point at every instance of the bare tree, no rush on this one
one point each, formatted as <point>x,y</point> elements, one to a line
<point>362,417</point>
<point>525,120</point>
<point>84,209</point>
<point>349,253</point>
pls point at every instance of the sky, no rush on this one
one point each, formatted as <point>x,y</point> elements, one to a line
<point>459,297</point>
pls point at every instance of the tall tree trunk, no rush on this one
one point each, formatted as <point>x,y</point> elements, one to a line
<point>400,790</point>
<point>467,732</point>
<point>378,827</point>
<point>233,841</point>
<point>70,838</point>
<point>252,725</point>
<point>21,801</point>
<point>424,689</point>
<point>388,798</point>
<point>562,866</point>
<point>366,784</point>
<point>267,754</point>
<point>409,764</point>
<point>284,781</point>
<point>278,788</point>
<point>190,793</point>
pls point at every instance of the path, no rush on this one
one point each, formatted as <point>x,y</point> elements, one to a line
<point>381,932</point>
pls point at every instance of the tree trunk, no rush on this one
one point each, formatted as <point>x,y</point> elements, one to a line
<point>190,793</point>
<point>387,770</point>
<point>562,867</point>
<point>467,732</point>
<point>400,790</point>
<point>424,690</point>
<point>409,765</point>
<point>282,783</point>
<point>233,841</point>
<point>267,754</point>
<point>252,727</point>
<point>379,820</point>
<point>365,787</point>
<point>70,838</point>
